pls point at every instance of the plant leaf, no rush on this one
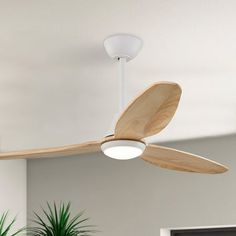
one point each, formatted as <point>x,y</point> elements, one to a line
<point>57,221</point>
<point>6,227</point>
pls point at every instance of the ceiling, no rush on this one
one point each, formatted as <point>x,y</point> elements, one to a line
<point>58,86</point>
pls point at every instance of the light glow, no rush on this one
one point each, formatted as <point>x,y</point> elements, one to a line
<point>123,149</point>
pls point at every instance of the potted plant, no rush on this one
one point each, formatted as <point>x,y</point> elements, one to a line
<point>6,228</point>
<point>57,221</point>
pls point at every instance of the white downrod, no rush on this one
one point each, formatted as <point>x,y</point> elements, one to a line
<point>123,84</point>
<point>122,47</point>
<point>122,94</point>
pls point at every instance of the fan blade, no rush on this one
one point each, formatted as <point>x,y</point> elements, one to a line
<point>181,161</point>
<point>69,150</point>
<point>149,113</point>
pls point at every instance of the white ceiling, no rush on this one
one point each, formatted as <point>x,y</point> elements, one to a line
<point>58,86</point>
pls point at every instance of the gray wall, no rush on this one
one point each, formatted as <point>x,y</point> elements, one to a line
<point>136,198</point>
<point>13,190</point>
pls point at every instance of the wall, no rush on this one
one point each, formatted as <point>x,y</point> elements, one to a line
<point>136,198</point>
<point>13,189</point>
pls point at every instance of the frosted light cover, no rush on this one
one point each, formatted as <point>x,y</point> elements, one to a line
<point>123,149</point>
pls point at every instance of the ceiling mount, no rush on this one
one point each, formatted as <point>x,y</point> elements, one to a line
<point>123,46</point>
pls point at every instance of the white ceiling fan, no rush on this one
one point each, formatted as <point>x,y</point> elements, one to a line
<point>147,115</point>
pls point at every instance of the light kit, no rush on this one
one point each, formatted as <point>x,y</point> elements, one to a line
<point>123,149</point>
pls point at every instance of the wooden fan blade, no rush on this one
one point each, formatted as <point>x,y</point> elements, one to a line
<point>149,113</point>
<point>182,161</point>
<point>69,150</point>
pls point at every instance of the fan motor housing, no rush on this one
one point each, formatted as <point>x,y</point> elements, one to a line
<point>123,149</point>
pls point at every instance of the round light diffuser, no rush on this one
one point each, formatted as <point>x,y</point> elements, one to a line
<point>123,149</point>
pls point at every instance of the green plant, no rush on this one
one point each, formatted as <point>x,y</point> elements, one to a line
<point>57,221</point>
<point>5,227</point>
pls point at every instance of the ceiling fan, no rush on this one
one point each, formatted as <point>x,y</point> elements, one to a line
<point>147,115</point>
